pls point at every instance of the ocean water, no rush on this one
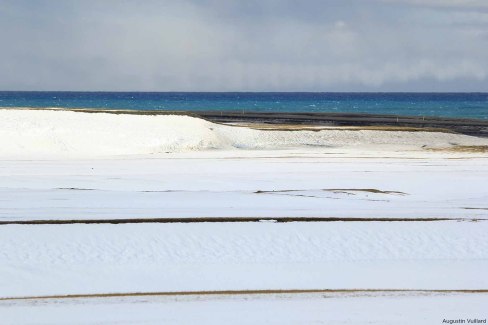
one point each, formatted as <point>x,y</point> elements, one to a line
<point>466,105</point>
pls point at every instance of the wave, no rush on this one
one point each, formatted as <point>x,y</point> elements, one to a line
<point>56,132</point>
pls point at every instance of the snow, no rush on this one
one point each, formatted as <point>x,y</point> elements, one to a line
<point>54,133</point>
<point>221,184</point>
<point>58,165</point>
<point>68,259</point>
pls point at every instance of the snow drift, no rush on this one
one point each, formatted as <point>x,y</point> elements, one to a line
<point>27,132</point>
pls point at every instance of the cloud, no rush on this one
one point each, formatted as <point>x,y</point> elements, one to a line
<point>272,45</point>
<point>464,4</point>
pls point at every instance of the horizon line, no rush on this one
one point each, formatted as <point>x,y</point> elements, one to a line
<point>248,92</point>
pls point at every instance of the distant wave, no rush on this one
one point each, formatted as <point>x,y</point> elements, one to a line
<point>457,105</point>
<point>53,132</point>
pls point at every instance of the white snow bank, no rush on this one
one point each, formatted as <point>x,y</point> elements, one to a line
<point>25,132</point>
<point>50,132</point>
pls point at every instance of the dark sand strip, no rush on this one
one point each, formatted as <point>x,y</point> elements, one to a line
<point>464,126</point>
<point>245,292</point>
<point>226,220</point>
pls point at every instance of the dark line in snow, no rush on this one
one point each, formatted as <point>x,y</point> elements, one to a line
<point>225,220</point>
<point>245,292</point>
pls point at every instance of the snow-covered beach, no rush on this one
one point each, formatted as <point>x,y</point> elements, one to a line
<point>56,133</point>
<point>72,166</point>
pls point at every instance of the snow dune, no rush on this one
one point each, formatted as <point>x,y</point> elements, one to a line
<point>27,132</point>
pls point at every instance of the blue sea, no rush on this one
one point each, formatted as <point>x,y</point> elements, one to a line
<point>466,105</point>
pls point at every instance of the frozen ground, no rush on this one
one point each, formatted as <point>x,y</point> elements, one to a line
<point>76,166</point>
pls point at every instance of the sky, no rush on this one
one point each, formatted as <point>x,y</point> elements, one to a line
<point>247,45</point>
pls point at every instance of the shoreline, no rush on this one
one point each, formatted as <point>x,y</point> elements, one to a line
<point>472,127</point>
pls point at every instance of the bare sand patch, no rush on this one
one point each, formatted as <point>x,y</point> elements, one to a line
<point>460,148</point>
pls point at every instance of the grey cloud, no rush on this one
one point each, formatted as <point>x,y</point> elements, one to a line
<point>243,45</point>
